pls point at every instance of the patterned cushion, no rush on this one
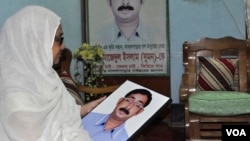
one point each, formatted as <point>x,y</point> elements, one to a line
<point>71,87</point>
<point>216,74</point>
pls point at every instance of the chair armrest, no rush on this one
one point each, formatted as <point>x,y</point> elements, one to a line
<point>184,90</point>
<point>183,93</point>
<point>101,90</point>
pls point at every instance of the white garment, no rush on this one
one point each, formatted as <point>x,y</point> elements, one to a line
<point>34,103</point>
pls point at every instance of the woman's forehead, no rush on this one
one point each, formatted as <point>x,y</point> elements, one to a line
<point>59,30</point>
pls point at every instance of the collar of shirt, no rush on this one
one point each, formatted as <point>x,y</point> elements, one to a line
<point>114,132</point>
<point>139,33</point>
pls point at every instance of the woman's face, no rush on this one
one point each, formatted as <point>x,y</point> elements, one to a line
<point>58,45</point>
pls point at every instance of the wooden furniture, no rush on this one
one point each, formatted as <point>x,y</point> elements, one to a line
<point>204,126</point>
<point>64,66</point>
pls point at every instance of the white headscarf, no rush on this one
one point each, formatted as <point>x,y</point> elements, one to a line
<point>34,104</point>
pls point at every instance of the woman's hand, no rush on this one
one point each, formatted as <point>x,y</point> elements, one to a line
<point>86,108</point>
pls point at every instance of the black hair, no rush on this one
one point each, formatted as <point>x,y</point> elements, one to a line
<point>142,92</point>
<point>110,2</point>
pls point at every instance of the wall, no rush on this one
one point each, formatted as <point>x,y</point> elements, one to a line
<point>69,10</point>
<point>189,20</point>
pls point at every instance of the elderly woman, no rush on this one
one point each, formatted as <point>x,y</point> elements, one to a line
<point>34,103</point>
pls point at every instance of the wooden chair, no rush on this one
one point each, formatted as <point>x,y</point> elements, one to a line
<point>208,127</point>
<point>63,69</point>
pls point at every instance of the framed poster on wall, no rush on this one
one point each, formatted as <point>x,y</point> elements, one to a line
<point>133,35</point>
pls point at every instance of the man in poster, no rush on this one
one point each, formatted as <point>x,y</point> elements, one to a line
<point>127,27</point>
<point>111,127</point>
<point>132,26</point>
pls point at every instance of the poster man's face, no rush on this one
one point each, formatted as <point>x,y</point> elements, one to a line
<point>125,10</point>
<point>129,106</point>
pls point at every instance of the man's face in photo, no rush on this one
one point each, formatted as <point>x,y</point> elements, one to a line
<point>125,10</point>
<point>129,106</point>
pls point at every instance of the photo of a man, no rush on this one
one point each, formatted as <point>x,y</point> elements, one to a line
<point>123,113</point>
<point>128,27</point>
<point>111,127</point>
<point>132,33</point>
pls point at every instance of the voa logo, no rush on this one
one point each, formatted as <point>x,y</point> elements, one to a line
<point>236,132</point>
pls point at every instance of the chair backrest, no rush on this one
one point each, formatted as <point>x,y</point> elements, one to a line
<point>226,47</point>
